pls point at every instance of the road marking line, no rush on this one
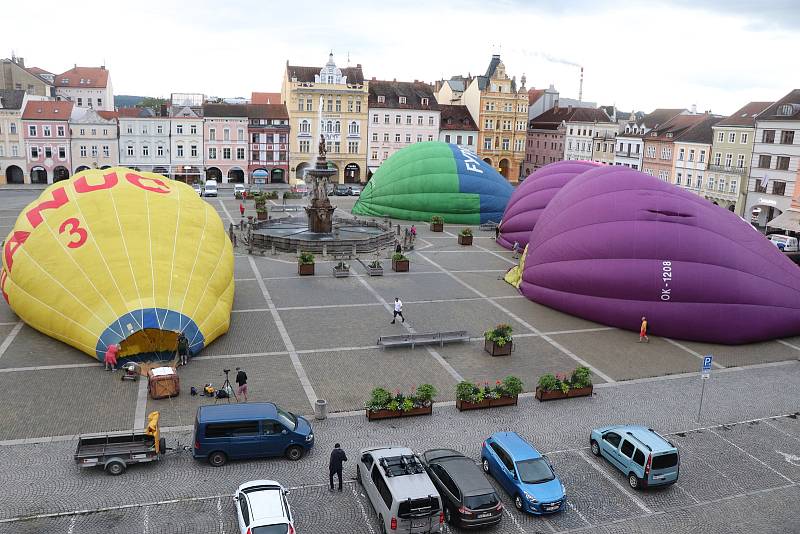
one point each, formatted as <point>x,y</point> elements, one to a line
<point>636,500</point>
<point>10,338</point>
<point>530,327</point>
<point>436,356</point>
<point>49,367</point>
<point>219,514</point>
<point>298,366</point>
<point>789,480</point>
<point>367,522</point>
<point>71,524</point>
<point>141,403</point>
<point>9,324</point>
<point>781,430</point>
<point>493,253</point>
<point>572,507</point>
<point>782,342</point>
<point>514,520</point>
<point>715,364</point>
<point>687,492</point>
<point>145,520</point>
<point>247,355</point>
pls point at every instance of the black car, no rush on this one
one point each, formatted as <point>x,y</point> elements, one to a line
<point>469,499</point>
<point>342,190</point>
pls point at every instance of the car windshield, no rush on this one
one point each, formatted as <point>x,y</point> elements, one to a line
<point>271,529</point>
<point>535,471</point>
<point>478,502</point>
<point>288,419</point>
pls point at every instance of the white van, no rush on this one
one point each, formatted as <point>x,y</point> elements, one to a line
<point>210,189</point>
<point>784,242</point>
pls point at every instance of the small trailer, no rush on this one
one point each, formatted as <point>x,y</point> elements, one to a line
<point>115,451</point>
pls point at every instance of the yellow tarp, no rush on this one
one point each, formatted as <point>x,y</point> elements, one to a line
<point>514,275</point>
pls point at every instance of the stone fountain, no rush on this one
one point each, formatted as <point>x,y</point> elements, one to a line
<point>319,209</point>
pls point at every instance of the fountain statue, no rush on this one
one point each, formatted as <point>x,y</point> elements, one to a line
<point>319,209</point>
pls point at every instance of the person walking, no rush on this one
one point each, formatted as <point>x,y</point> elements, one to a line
<point>398,249</point>
<point>110,359</point>
<point>241,380</point>
<point>338,457</point>
<point>413,231</point>
<point>496,232</point>
<point>398,310</point>
<point>183,349</point>
<point>241,209</point>
<point>643,331</point>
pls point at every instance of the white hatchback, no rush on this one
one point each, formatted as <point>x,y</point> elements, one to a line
<point>262,508</point>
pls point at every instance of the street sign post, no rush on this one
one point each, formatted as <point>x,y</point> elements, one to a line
<point>705,374</point>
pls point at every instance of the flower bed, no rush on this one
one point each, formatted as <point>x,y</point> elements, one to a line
<point>305,264</point>
<point>560,386</point>
<point>471,396</point>
<point>400,263</point>
<point>465,237</point>
<point>386,405</point>
<point>437,224</point>
<point>498,341</point>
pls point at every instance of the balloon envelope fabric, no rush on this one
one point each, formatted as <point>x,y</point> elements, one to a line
<point>435,178</point>
<point>124,257</point>
<point>616,244</point>
<point>531,197</point>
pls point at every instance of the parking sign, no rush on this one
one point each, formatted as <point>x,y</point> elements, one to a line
<point>706,370</point>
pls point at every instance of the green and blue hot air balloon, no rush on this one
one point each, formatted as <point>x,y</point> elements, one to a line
<point>435,178</point>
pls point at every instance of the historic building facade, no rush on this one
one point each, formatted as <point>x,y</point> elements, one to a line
<point>12,144</point>
<point>400,113</point>
<point>731,156</point>
<point>144,140</point>
<point>659,146</point>
<point>581,130</point>
<point>225,140</point>
<point>45,127</point>
<point>186,137</point>
<point>456,126</point>
<point>15,76</point>
<point>776,160</point>
<point>86,87</point>
<point>545,139</point>
<point>331,102</point>
<point>94,140</point>
<point>690,157</point>
<point>269,134</point>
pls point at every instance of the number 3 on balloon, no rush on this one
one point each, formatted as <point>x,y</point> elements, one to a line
<point>78,234</point>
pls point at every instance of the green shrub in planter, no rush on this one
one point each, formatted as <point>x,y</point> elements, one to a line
<point>466,232</point>
<point>397,256</point>
<point>436,219</point>
<point>512,386</point>
<point>306,258</point>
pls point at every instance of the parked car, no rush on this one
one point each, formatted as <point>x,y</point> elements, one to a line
<point>238,190</point>
<point>342,190</point>
<point>197,189</point>
<point>646,457</point>
<point>356,190</point>
<point>468,499</point>
<point>785,243</point>
<point>523,472</point>
<point>262,508</point>
<point>225,432</point>
<point>210,189</point>
<point>400,490</point>
<point>300,187</point>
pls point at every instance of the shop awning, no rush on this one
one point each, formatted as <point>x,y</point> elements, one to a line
<point>788,220</point>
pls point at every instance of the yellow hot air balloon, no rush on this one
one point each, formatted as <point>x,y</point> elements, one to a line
<point>124,257</point>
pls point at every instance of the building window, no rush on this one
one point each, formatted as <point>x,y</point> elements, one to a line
<point>740,161</point>
<point>129,152</point>
<point>145,150</point>
<point>62,152</point>
<point>419,138</point>
<point>94,131</point>
<point>430,121</point>
<point>397,119</point>
<point>353,128</point>
<point>32,131</point>
<point>48,152</point>
<point>352,147</point>
<point>226,134</point>
<point>212,134</point>
<point>46,131</point>
<point>99,102</point>
<point>408,138</point>
<point>338,106</point>
<point>760,188</point>
<point>506,143</point>
<point>397,138</point>
<point>424,101</point>
<point>375,137</point>
<point>193,129</point>
<point>350,105</point>
<point>678,178</point>
<point>212,153</point>
<point>721,186</point>
<point>733,187</point>
<point>385,137</point>
<point>375,118</point>
<point>691,155</point>
<point>305,127</point>
<point>226,153</point>
<point>300,104</point>
<point>768,136</point>
<point>160,150</point>
<point>34,152</point>
<point>488,124</point>
<point>309,104</point>
<point>711,182</point>
<point>12,129</point>
<point>374,154</point>
<point>702,156</point>
<point>160,129</point>
<point>787,137</point>
<point>447,138</point>
<point>743,138</point>
<point>680,154</point>
<point>487,143</point>
<point>240,153</point>
<point>385,154</point>
<point>330,105</point>
<point>419,120</point>
<point>304,146</point>
<point>408,119</point>
<point>728,160</point>
<point>94,151</point>
<point>80,101</point>
<point>764,161</point>
<point>732,137</point>
<point>782,164</point>
<point>717,158</point>
<point>179,128</point>
<point>381,99</point>
<point>778,188</point>
<point>469,140</point>
<point>180,151</point>
<point>358,106</point>
<point>386,119</point>
<point>83,151</point>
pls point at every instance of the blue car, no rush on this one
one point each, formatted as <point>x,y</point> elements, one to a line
<point>523,472</point>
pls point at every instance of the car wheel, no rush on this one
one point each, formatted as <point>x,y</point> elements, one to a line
<point>115,468</point>
<point>518,503</point>
<point>633,480</point>
<point>358,476</point>
<point>294,452</point>
<point>217,459</point>
<point>485,464</point>
<point>448,515</point>
<point>595,448</point>
<point>383,525</point>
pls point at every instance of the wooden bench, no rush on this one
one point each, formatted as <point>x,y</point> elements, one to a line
<point>429,338</point>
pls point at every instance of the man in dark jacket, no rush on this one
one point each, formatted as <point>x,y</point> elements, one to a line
<point>183,349</point>
<point>335,468</point>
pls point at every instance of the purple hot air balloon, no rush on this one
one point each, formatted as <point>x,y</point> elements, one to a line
<point>616,244</point>
<point>531,198</point>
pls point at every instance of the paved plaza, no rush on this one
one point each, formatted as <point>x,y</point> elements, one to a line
<point>300,339</point>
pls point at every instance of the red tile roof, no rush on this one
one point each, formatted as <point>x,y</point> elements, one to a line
<point>267,111</point>
<point>90,76</point>
<point>534,95</point>
<point>46,110</point>
<point>792,100</point>
<point>456,118</point>
<point>109,115</point>
<point>37,70</point>
<point>674,127</point>
<point>391,91</point>
<point>745,116</point>
<point>265,98</point>
<point>129,113</point>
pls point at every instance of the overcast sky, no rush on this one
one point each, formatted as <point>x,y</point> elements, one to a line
<point>718,54</point>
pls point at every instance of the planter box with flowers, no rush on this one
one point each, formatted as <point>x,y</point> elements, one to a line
<point>375,268</point>
<point>261,206</point>
<point>400,263</point>
<point>471,396</point>
<point>498,341</point>
<point>437,224</point>
<point>561,386</point>
<point>385,405</point>
<point>305,264</point>
<point>465,237</point>
<point>341,270</point>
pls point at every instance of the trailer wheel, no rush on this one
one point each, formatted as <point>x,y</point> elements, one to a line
<point>115,467</point>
